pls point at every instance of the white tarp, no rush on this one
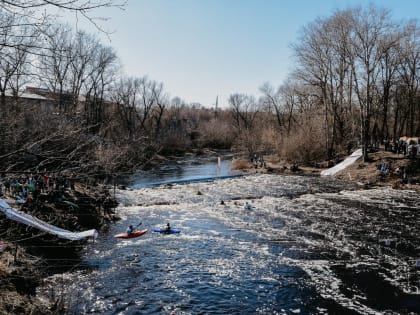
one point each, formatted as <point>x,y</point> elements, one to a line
<point>341,166</point>
<point>24,218</point>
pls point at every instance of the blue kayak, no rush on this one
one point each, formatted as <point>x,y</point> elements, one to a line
<point>164,231</point>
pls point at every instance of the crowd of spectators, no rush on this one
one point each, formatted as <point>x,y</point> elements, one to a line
<point>408,148</point>
<point>27,187</point>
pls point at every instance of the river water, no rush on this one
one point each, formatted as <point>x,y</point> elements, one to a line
<point>307,245</point>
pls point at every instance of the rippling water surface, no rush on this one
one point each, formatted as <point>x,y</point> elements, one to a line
<point>308,246</point>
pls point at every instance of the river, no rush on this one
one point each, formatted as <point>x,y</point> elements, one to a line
<point>307,245</point>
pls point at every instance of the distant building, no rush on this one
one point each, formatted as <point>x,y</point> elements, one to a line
<point>64,100</point>
<point>27,98</point>
<point>46,100</point>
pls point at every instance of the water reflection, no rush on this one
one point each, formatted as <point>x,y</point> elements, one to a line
<point>185,170</point>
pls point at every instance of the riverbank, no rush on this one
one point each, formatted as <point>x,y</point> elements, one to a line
<point>397,171</point>
<point>385,169</point>
<point>28,255</point>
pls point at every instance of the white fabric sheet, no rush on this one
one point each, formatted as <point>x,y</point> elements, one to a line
<point>341,166</point>
<point>24,218</point>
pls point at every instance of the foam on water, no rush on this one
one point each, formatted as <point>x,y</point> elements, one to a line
<point>308,245</point>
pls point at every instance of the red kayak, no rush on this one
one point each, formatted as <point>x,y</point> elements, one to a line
<point>132,235</point>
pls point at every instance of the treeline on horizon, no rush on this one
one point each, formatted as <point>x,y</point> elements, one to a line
<point>355,80</point>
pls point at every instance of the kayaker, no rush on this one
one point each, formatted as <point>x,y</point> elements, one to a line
<point>247,206</point>
<point>168,228</point>
<point>130,230</point>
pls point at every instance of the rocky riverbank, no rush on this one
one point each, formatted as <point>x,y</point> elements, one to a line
<point>28,255</point>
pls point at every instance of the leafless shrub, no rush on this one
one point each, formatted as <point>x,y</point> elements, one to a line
<point>238,164</point>
<point>271,140</point>
<point>304,145</point>
<point>217,134</point>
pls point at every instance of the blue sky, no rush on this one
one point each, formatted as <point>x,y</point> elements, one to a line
<point>201,49</point>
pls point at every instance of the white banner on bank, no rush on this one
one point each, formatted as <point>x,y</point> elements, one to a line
<point>341,166</point>
<point>24,218</point>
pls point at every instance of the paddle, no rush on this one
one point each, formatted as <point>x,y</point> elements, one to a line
<point>138,224</point>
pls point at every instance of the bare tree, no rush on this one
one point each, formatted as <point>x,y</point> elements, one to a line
<point>160,104</point>
<point>370,28</point>
<point>83,48</point>
<point>175,108</point>
<point>76,63</point>
<point>388,70</point>
<point>16,40</point>
<point>323,63</point>
<point>101,73</point>
<point>272,101</point>
<point>245,111</point>
<point>54,65</point>
<point>39,12</point>
<point>147,99</point>
<point>410,79</point>
<point>141,105</point>
<point>125,95</point>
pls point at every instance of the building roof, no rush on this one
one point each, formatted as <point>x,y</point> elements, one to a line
<point>28,95</point>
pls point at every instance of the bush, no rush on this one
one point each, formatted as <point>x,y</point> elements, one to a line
<point>304,144</point>
<point>238,164</point>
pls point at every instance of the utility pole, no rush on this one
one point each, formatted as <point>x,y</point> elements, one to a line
<point>215,107</point>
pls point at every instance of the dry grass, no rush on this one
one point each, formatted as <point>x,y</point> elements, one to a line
<point>3,268</point>
<point>6,258</point>
<point>238,164</point>
<point>12,303</point>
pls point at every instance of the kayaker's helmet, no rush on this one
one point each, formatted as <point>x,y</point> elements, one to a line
<point>131,227</point>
